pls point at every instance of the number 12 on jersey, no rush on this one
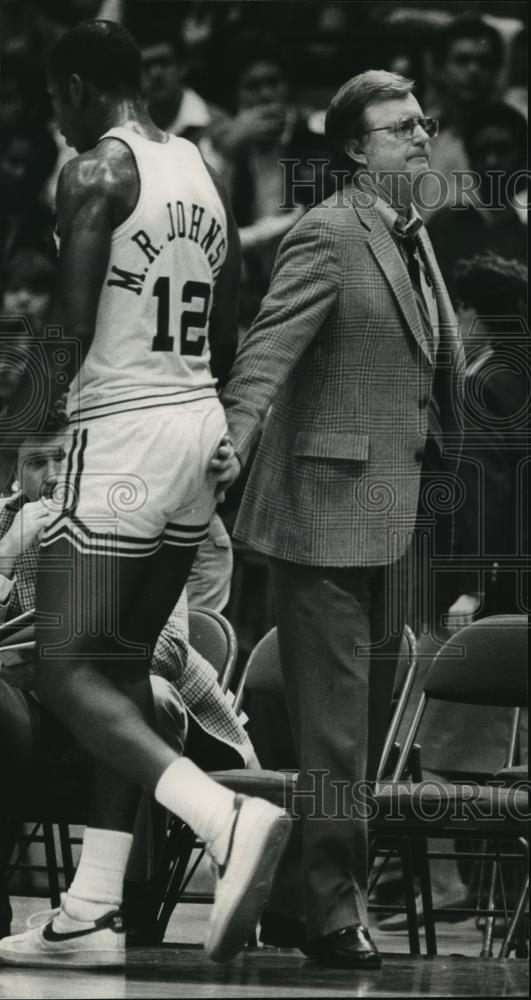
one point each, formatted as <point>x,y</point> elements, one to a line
<point>192,344</point>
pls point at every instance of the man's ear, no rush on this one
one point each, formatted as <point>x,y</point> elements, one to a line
<point>76,90</point>
<point>354,150</point>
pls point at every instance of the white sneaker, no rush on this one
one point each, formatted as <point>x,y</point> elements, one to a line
<point>66,942</point>
<point>258,837</point>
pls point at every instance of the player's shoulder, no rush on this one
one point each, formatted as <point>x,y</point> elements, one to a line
<point>105,169</point>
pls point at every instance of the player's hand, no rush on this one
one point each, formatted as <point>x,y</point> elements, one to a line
<point>462,611</point>
<point>29,522</point>
<point>225,466</point>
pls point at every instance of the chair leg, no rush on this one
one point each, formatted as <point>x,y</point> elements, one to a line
<point>516,922</point>
<point>184,844</point>
<point>9,836</point>
<point>488,933</point>
<point>408,869</point>
<point>51,864</point>
<point>66,852</point>
<point>423,868</point>
<point>481,882</point>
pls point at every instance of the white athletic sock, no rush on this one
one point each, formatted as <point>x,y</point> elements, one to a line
<point>98,883</point>
<point>207,807</point>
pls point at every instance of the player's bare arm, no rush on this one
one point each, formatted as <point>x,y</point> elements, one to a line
<point>223,325</point>
<point>96,192</point>
<point>223,336</point>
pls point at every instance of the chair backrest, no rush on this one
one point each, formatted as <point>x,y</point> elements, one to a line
<point>263,674</point>
<point>262,671</point>
<point>406,673</point>
<point>406,657</point>
<point>213,637</point>
<point>485,663</point>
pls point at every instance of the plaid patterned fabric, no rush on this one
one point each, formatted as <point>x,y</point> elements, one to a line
<point>339,351</point>
<point>22,596</point>
<point>174,658</point>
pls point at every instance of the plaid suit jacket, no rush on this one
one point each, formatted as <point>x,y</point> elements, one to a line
<point>338,362</point>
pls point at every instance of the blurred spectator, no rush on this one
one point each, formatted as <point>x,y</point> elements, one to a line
<point>495,217</point>
<point>467,56</point>
<point>28,281</point>
<point>27,288</point>
<point>11,90</point>
<point>27,293</point>
<point>267,128</point>
<point>53,17</point>
<point>325,51</point>
<point>516,94</point>
<point>174,107</point>
<point>27,156</point>
<point>491,298</point>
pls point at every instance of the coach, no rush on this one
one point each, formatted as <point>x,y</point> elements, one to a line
<point>356,348</point>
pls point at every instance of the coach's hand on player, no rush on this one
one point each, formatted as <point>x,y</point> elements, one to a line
<point>28,523</point>
<point>225,466</point>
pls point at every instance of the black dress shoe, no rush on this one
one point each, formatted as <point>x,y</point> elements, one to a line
<point>348,948</point>
<point>279,931</point>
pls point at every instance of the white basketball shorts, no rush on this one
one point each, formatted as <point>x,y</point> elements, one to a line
<point>134,481</point>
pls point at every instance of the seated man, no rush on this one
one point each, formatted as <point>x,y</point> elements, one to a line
<point>43,755</point>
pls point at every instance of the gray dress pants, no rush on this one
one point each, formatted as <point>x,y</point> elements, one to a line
<point>339,633</point>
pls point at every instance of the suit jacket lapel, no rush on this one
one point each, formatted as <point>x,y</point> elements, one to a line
<point>395,272</point>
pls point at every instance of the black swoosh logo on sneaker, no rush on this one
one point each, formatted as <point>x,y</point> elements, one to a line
<point>111,921</point>
<point>238,803</point>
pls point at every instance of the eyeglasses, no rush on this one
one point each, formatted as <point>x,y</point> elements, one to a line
<point>406,128</point>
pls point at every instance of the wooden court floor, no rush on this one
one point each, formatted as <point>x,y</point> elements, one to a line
<point>180,969</point>
<point>184,972</point>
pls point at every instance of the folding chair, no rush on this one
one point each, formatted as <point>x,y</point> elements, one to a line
<point>213,637</point>
<point>56,808</point>
<point>262,673</point>
<point>209,633</point>
<point>515,934</point>
<point>483,664</point>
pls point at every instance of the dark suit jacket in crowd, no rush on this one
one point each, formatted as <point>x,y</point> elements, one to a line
<point>463,233</point>
<point>492,522</point>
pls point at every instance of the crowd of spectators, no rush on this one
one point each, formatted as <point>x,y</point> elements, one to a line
<point>249,83</point>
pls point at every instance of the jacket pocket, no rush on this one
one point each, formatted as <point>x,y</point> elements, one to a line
<point>332,444</point>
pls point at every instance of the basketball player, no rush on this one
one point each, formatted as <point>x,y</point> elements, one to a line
<point>148,272</point>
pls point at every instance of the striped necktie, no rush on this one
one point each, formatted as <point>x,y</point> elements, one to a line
<point>408,241</point>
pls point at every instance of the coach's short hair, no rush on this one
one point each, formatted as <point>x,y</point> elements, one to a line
<point>345,116</point>
<point>100,52</point>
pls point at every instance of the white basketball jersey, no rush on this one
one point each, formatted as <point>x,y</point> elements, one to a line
<point>151,340</point>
